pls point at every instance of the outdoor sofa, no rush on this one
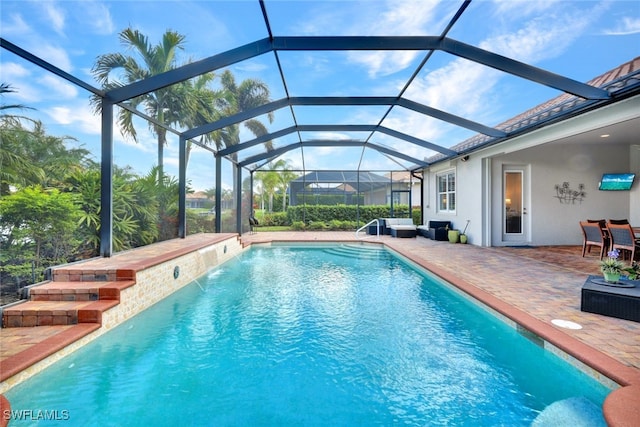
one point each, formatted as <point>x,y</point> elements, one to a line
<point>400,227</point>
<point>435,230</point>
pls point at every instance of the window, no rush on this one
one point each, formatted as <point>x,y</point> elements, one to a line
<point>446,191</point>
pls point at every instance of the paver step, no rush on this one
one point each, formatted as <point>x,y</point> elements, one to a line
<point>49,313</point>
<point>79,291</point>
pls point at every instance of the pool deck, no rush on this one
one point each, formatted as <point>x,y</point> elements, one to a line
<point>532,286</point>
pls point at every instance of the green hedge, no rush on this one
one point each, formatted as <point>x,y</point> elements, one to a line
<point>274,219</point>
<point>362,214</point>
<point>334,225</point>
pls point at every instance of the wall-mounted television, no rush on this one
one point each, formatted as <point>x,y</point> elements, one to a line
<point>616,181</point>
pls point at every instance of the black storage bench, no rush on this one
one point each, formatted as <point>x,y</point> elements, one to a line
<point>615,301</point>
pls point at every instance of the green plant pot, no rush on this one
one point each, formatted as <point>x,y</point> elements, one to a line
<point>463,238</point>
<point>454,235</point>
<point>611,277</point>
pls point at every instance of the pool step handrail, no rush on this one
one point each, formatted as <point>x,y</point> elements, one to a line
<point>368,224</point>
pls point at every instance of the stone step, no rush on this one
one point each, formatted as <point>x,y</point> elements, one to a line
<point>79,291</point>
<point>51,313</point>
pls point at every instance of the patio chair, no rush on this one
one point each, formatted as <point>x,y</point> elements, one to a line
<point>253,222</point>
<point>594,235</point>
<point>602,222</point>
<point>619,221</point>
<point>623,239</point>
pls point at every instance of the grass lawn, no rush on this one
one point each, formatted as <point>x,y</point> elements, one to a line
<point>273,228</point>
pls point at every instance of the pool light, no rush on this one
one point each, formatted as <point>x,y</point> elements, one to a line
<point>567,324</point>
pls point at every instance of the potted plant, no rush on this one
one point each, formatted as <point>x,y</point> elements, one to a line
<point>612,267</point>
<point>463,236</point>
<point>633,271</point>
<point>453,235</point>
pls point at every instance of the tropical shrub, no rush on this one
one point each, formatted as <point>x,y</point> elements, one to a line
<point>43,238</point>
<point>274,219</point>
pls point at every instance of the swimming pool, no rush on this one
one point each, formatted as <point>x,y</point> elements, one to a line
<point>308,336</point>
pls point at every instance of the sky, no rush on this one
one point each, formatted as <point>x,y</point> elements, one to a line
<point>577,39</point>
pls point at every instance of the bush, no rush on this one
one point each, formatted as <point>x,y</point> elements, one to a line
<point>197,223</point>
<point>298,226</point>
<point>355,214</point>
<point>275,219</point>
<point>341,225</point>
<point>317,226</point>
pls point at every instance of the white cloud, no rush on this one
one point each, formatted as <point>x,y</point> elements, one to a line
<point>251,67</point>
<point>61,115</point>
<point>539,39</point>
<point>55,16</point>
<point>330,136</point>
<point>396,18</point>
<point>625,27</point>
<point>13,71</point>
<point>56,88</point>
<point>461,84</point>
<point>15,26</point>
<point>20,79</point>
<point>55,55</point>
<point>383,62</point>
<point>98,16</point>
<point>464,88</point>
<point>171,161</point>
<point>523,8</point>
<point>388,18</point>
<point>78,117</point>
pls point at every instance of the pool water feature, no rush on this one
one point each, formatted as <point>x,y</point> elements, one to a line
<point>305,336</point>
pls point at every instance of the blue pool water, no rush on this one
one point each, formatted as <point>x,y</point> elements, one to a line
<point>302,336</point>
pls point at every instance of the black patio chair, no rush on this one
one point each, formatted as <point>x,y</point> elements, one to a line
<point>253,222</point>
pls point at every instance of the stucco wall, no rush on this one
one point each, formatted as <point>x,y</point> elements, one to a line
<point>548,160</point>
<point>554,222</point>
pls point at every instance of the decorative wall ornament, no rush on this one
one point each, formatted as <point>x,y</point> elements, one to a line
<point>566,194</point>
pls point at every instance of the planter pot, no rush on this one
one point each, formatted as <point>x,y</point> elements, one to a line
<point>463,238</point>
<point>611,277</point>
<point>454,235</point>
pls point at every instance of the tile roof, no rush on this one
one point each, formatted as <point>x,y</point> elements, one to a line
<point>616,81</point>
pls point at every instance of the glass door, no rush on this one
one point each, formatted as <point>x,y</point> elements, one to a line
<point>514,225</point>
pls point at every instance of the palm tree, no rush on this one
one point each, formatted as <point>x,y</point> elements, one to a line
<point>6,88</point>
<point>276,177</point>
<point>167,105</point>
<point>285,175</point>
<point>200,103</point>
<point>29,156</point>
<point>233,99</point>
<point>16,168</point>
<point>269,180</point>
